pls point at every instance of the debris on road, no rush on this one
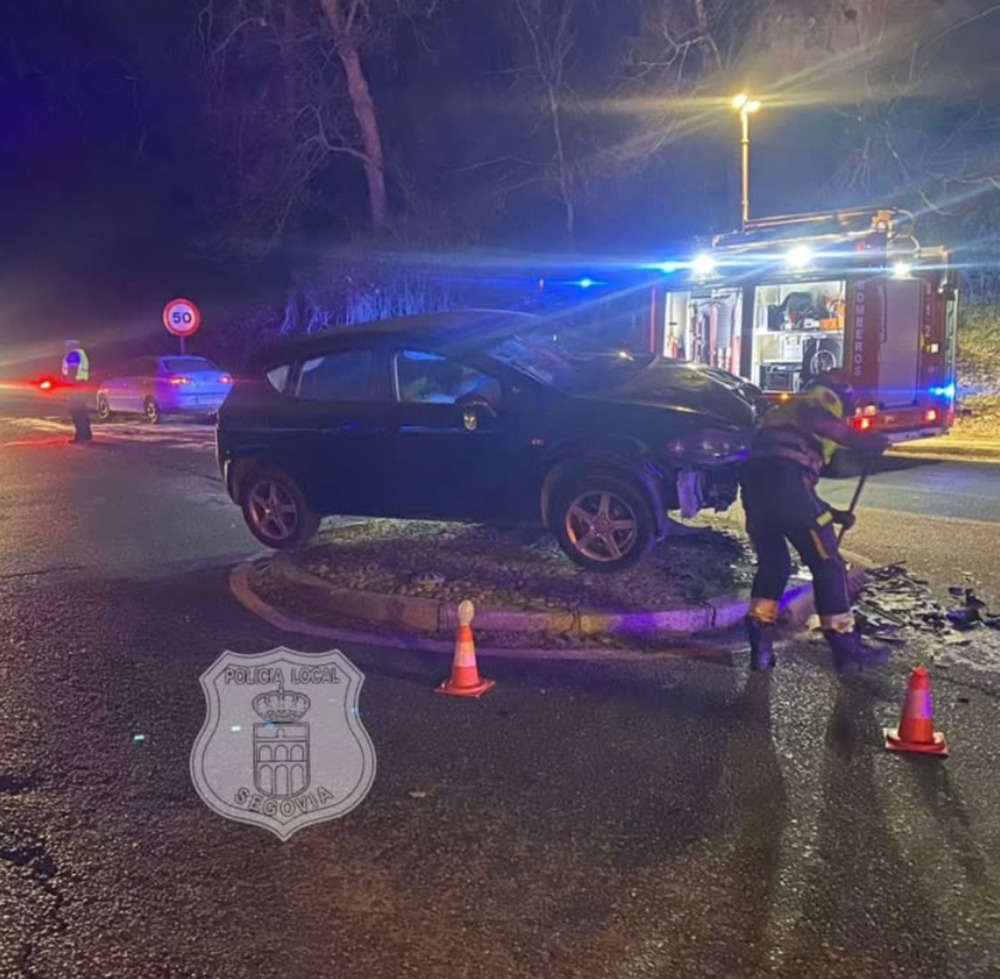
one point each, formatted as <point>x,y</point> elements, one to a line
<point>894,601</point>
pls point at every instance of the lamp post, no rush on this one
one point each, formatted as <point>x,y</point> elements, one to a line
<point>745,106</point>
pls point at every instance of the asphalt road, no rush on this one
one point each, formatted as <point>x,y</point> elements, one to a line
<point>961,491</point>
<point>668,819</point>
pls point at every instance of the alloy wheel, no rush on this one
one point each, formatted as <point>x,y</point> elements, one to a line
<point>273,510</point>
<point>601,525</point>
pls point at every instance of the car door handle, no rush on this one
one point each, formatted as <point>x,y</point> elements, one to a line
<point>354,428</point>
<point>423,430</point>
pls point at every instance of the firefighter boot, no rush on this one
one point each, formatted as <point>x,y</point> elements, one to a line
<point>851,654</point>
<point>761,644</point>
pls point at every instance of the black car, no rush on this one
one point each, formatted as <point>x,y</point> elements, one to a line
<point>480,416</point>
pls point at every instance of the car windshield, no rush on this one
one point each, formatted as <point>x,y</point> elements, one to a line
<point>187,365</point>
<point>564,358</point>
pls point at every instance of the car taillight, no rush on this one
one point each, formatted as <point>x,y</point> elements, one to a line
<point>862,424</point>
<point>46,385</point>
<point>180,380</point>
<point>225,379</point>
<point>931,415</point>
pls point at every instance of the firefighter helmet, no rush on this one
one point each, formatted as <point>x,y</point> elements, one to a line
<point>832,390</point>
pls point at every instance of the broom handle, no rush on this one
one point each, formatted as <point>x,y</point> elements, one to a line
<point>869,463</point>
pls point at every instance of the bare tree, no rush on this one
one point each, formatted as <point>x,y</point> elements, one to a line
<point>349,21</point>
<point>287,94</point>
<point>548,36</point>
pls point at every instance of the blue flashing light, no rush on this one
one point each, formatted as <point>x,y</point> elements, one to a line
<point>948,391</point>
<point>668,268</point>
<point>585,283</point>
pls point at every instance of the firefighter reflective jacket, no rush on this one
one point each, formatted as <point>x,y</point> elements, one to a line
<point>77,364</point>
<point>807,431</point>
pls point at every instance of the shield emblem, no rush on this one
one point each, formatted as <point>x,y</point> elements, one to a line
<point>283,745</point>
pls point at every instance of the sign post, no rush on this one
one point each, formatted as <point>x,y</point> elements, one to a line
<point>181,318</point>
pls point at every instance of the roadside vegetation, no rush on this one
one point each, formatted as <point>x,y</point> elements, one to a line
<point>979,371</point>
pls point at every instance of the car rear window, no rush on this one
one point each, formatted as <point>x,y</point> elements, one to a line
<point>185,365</point>
<point>343,376</point>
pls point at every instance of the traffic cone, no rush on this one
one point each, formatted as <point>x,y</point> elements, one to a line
<point>916,727</point>
<point>464,680</point>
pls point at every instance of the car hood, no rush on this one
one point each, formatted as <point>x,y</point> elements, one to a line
<point>712,393</point>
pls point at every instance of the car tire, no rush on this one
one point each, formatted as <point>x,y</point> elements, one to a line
<point>584,512</point>
<point>103,409</point>
<point>291,521</point>
<point>151,411</point>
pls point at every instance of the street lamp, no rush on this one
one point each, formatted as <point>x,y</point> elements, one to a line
<point>745,106</point>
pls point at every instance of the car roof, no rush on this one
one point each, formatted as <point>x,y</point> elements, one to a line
<point>455,328</point>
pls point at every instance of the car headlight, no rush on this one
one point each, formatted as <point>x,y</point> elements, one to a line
<point>709,445</point>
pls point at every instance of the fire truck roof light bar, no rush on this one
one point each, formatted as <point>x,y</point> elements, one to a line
<point>780,244</point>
<point>874,215</point>
<point>835,225</point>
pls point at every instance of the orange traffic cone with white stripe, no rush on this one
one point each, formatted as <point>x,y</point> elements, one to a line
<point>464,680</point>
<point>916,727</point>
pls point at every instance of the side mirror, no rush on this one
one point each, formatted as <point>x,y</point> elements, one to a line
<point>475,409</point>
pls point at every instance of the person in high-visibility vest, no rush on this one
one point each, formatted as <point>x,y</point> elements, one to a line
<point>76,372</point>
<point>794,442</point>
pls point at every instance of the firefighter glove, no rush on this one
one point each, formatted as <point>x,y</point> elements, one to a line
<point>844,518</point>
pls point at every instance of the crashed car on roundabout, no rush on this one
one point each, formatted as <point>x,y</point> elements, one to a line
<point>481,416</point>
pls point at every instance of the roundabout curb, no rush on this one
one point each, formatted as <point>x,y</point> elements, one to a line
<point>797,609</point>
<point>432,616</point>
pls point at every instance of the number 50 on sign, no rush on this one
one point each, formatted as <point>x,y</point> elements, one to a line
<point>181,317</point>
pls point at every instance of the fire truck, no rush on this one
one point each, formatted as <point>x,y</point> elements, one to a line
<point>788,297</point>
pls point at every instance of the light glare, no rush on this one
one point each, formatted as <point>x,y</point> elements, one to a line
<point>799,257</point>
<point>703,265</point>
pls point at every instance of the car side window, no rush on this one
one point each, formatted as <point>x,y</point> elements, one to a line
<point>425,378</point>
<point>342,376</point>
<point>277,377</point>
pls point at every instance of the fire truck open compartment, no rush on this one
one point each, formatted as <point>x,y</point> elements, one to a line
<point>791,297</point>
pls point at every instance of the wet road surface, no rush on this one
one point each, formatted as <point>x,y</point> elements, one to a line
<point>666,819</point>
<point>959,490</point>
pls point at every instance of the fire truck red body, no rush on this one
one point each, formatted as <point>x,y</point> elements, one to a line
<point>791,296</point>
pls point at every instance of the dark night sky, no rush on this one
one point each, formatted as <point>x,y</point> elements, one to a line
<point>101,167</point>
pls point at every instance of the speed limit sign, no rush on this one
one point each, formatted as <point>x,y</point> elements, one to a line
<point>181,317</point>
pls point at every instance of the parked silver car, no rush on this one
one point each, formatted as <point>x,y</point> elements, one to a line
<point>158,386</point>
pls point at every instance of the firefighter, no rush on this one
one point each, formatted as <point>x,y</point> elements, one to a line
<point>778,487</point>
<point>76,372</point>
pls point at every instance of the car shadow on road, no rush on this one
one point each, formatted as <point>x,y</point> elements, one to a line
<point>862,907</point>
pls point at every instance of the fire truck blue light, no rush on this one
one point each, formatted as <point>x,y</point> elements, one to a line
<point>948,391</point>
